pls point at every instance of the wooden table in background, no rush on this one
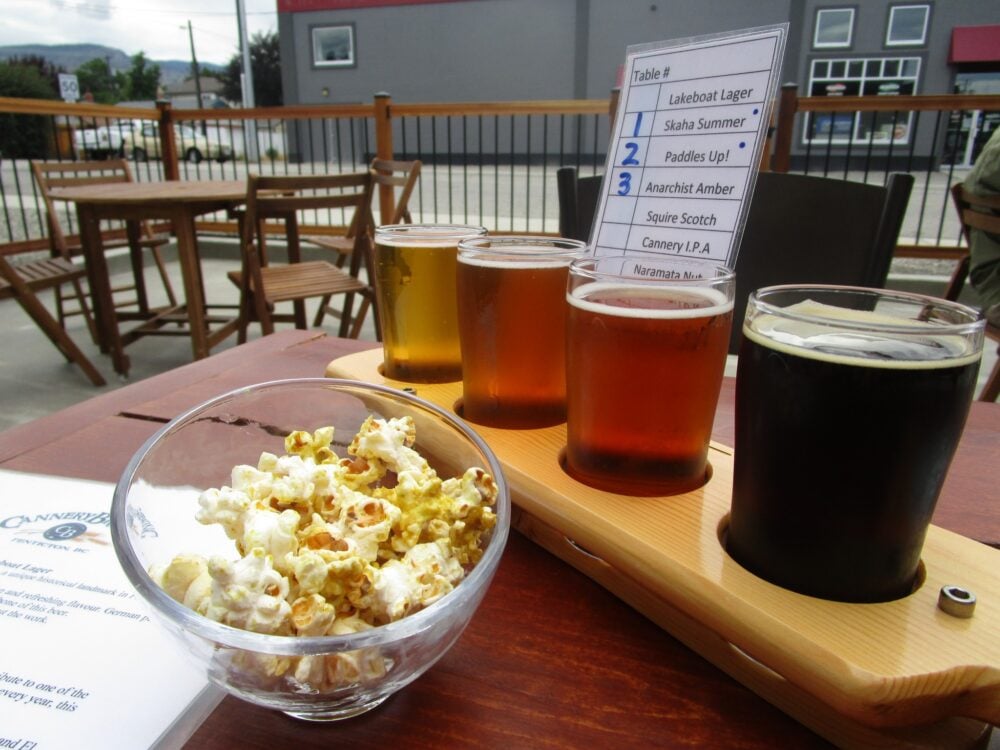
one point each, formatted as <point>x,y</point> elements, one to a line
<point>550,660</point>
<point>178,202</point>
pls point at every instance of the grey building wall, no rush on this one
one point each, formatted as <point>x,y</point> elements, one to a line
<point>481,50</point>
<point>497,50</point>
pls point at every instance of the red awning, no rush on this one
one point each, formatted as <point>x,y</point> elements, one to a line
<point>972,44</point>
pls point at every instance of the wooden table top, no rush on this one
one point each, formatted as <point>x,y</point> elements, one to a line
<point>551,659</point>
<point>129,193</point>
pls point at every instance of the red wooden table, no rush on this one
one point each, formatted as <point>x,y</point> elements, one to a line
<point>550,660</point>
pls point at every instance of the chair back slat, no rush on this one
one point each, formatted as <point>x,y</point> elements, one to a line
<point>393,174</point>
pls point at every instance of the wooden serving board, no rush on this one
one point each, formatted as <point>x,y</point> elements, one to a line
<point>901,673</point>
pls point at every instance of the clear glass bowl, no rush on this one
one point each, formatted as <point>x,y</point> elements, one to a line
<point>153,519</point>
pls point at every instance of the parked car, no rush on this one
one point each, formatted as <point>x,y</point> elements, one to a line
<point>101,142</point>
<point>144,143</point>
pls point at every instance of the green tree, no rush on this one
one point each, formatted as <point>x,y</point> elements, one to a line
<point>24,136</point>
<point>265,65</point>
<point>95,78</point>
<point>142,79</point>
<point>49,70</point>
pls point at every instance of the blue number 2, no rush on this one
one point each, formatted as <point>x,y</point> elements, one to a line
<point>625,183</point>
<point>630,160</point>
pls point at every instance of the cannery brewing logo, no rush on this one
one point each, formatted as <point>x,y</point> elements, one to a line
<point>60,530</point>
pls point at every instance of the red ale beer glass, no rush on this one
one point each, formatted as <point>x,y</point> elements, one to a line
<point>849,406</point>
<point>512,326</point>
<point>645,354</point>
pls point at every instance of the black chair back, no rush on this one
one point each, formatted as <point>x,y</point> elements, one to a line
<point>802,229</point>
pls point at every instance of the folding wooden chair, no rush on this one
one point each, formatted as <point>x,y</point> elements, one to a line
<point>50,175</point>
<point>263,284</point>
<point>980,212</point>
<point>387,174</point>
<point>391,174</point>
<point>21,281</point>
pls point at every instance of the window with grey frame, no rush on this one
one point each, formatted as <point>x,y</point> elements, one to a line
<point>834,28</point>
<point>333,46</point>
<point>907,25</point>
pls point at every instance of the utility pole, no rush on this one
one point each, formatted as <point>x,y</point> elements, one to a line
<point>197,76</point>
<point>248,101</point>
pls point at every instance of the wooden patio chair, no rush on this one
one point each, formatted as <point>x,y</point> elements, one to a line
<point>402,174</point>
<point>385,173</point>
<point>980,212</point>
<point>21,281</point>
<point>54,174</point>
<point>263,285</point>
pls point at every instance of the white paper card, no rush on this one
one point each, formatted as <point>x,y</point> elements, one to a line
<point>82,664</point>
<point>692,121</point>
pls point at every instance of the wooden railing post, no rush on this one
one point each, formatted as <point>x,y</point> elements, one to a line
<point>168,142</point>
<point>787,106</point>
<point>383,150</point>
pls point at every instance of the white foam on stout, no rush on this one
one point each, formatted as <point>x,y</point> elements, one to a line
<point>717,304</point>
<point>923,346</point>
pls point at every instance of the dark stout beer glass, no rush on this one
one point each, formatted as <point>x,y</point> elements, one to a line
<point>849,405</point>
<point>414,275</point>
<point>646,350</point>
<point>512,325</point>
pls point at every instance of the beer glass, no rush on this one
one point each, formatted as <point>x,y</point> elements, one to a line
<point>512,326</point>
<point>646,349</point>
<point>414,275</point>
<point>849,405</point>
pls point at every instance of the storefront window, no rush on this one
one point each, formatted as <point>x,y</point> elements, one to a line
<point>861,77</point>
<point>907,25</point>
<point>834,27</point>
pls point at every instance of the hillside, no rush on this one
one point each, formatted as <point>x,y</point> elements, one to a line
<point>71,56</point>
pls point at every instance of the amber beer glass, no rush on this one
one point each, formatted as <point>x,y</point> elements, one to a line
<point>646,350</point>
<point>414,274</point>
<point>849,406</point>
<point>512,325</point>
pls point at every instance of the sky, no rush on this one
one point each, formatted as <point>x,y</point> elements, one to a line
<point>156,27</point>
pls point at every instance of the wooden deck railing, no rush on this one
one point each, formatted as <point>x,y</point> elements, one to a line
<point>494,163</point>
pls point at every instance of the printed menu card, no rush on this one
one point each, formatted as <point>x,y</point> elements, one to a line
<point>693,118</point>
<point>82,664</point>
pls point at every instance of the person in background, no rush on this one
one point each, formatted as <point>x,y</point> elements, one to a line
<point>984,247</point>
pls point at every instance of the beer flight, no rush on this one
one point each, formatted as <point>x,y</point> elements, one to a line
<point>849,403</point>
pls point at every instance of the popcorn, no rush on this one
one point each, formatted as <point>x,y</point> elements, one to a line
<point>331,545</point>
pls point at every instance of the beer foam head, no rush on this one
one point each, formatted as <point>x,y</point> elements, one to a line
<point>863,337</point>
<point>435,235</point>
<point>650,301</point>
<point>520,262</point>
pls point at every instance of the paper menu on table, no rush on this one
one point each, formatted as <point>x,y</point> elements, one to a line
<point>693,117</point>
<point>82,665</point>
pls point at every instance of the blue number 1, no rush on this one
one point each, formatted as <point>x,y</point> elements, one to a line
<point>638,122</point>
<point>625,183</point>
<point>630,160</point>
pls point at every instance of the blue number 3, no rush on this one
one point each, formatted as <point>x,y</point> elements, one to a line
<point>625,183</point>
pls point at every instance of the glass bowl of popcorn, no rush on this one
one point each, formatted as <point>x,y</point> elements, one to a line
<point>315,544</point>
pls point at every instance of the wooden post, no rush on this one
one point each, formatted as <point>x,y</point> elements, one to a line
<point>168,142</point>
<point>383,150</point>
<point>788,105</point>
